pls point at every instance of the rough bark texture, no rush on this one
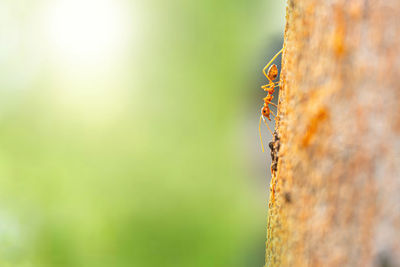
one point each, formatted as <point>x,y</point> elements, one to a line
<point>335,197</point>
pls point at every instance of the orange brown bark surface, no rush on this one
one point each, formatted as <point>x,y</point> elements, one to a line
<point>335,196</point>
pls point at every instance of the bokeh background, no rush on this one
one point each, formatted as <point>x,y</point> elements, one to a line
<point>129,131</point>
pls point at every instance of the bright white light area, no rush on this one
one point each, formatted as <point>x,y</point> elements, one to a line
<point>86,31</point>
<point>87,46</point>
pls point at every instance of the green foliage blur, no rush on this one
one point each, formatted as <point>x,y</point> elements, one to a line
<point>128,131</point>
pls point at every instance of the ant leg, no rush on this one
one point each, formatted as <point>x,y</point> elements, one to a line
<point>275,105</point>
<point>277,84</point>
<point>268,86</point>
<point>272,113</point>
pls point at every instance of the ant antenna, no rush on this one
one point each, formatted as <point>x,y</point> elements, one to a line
<point>266,124</point>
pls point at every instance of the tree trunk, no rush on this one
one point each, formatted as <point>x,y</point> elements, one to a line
<point>335,195</point>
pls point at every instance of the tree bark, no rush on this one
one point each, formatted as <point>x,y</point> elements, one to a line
<point>335,195</point>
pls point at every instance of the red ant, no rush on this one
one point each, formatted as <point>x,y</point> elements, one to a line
<point>271,75</point>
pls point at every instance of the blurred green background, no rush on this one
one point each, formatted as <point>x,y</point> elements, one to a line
<point>129,131</point>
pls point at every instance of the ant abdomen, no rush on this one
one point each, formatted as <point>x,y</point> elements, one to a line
<point>272,72</point>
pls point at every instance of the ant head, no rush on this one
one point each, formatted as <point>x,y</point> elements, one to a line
<point>265,111</point>
<point>272,72</point>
